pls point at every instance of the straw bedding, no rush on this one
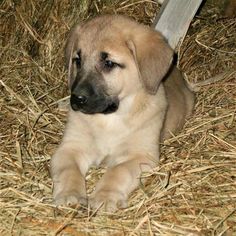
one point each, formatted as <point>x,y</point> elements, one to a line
<point>191,192</point>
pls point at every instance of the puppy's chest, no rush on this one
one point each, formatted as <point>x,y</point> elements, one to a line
<point>110,135</point>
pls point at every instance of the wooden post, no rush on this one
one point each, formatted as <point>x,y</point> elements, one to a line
<point>174,19</point>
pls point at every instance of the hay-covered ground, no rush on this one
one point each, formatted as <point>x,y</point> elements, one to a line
<point>191,192</point>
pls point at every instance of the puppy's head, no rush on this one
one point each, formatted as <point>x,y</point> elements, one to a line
<point>110,58</point>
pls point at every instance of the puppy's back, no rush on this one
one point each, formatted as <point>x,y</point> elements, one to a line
<point>180,102</point>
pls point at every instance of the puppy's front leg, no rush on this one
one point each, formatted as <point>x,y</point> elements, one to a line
<point>116,184</point>
<point>68,168</point>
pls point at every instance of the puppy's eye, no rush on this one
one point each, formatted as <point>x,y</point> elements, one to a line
<point>77,60</point>
<point>110,64</point>
<point>107,64</point>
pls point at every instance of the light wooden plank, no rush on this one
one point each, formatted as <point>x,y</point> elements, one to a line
<point>174,19</point>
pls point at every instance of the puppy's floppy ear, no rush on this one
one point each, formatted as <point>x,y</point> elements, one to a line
<point>69,48</point>
<point>71,39</point>
<point>153,57</point>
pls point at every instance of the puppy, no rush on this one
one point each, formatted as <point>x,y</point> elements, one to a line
<point>124,100</point>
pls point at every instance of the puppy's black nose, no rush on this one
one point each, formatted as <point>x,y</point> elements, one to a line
<point>77,101</point>
<point>81,99</point>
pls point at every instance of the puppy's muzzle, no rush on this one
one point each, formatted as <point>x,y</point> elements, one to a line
<point>90,100</point>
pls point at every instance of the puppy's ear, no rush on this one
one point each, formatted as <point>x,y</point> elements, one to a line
<point>153,57</point>
<point>70,42</point>
<point>69,48</point>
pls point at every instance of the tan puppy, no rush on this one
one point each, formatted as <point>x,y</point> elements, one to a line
<point>119,108</point>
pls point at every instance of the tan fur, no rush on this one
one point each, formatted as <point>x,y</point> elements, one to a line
<point>126,141</point>
<point>230,8</point>
<point>180,103</point>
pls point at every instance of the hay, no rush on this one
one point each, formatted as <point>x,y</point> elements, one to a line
<point>191,192</point>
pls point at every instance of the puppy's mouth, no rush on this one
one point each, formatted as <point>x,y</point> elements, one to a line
<point>112,107</point>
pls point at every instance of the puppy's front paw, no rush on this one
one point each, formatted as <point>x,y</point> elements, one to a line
<point>109,200</point>
<point>71,198</point>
